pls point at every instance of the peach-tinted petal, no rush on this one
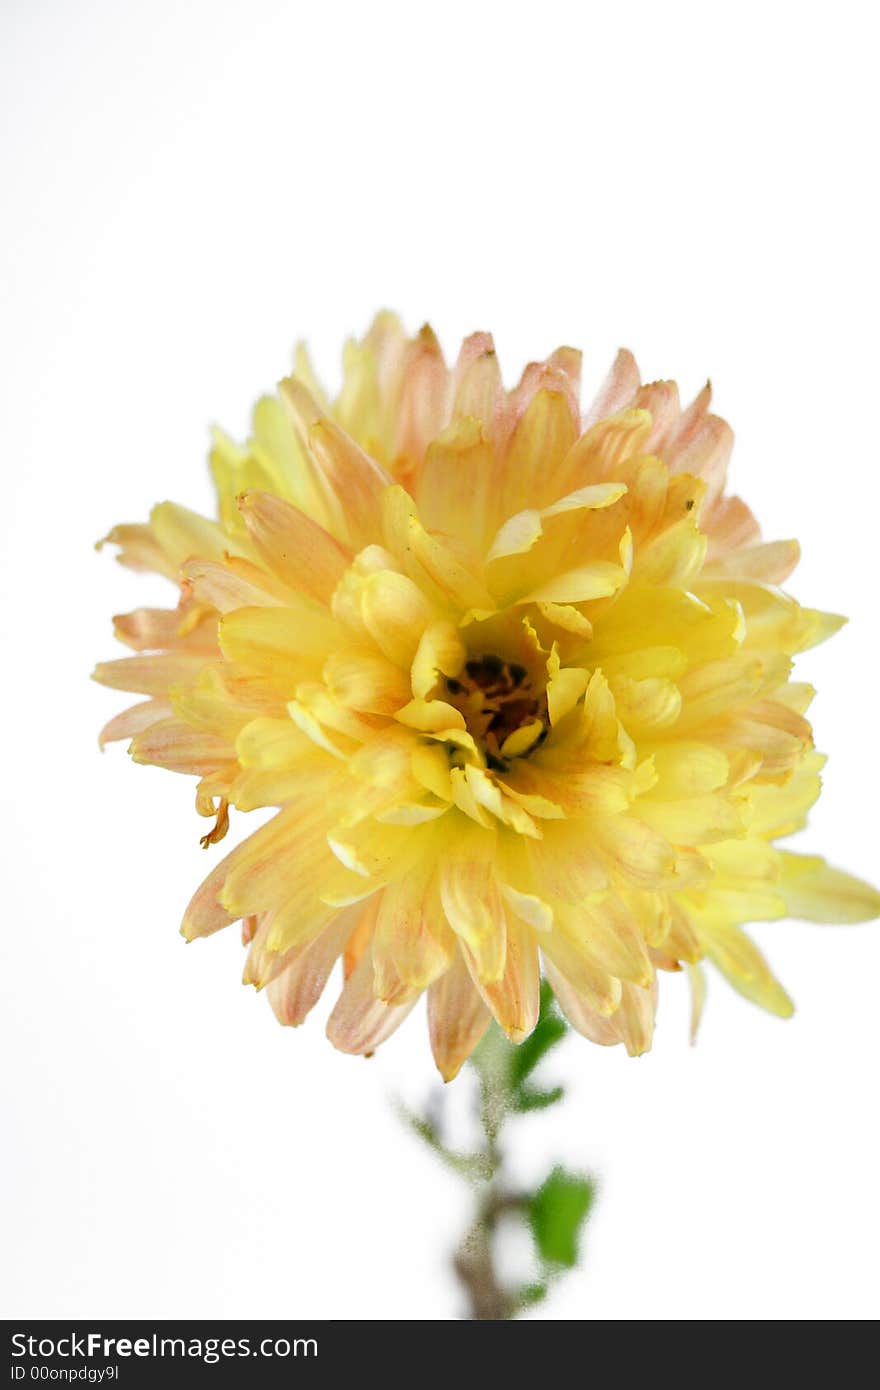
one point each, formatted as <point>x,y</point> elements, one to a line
<point>293,546</point>
<point>134,720</point>
<point>149,675</point>
<point>515,998</point>
<point>296,989</point>
<point>360,1021</point>
<point>457,1018</point>
<point>412,944</point>
<point>205,913</point>
<point>172,744</point>
<point>618,390</point>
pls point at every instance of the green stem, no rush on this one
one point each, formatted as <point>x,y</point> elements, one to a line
<point>554,1212</point>
<point>474,1261</point>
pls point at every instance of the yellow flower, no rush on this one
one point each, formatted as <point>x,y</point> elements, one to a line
<point>518,681</point>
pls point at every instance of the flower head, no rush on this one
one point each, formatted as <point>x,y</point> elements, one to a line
<point>518,681</point>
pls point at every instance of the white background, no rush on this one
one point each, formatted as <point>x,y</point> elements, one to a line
<point>188,188</point>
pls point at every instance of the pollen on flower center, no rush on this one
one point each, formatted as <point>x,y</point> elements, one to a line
<point>504,710</point>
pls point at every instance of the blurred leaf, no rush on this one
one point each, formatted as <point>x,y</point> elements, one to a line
<point>556,1212</point>
<point>475,1167</point>
<point>532,1098</point>
<point>530,1294</point>
<point>549,1030</point>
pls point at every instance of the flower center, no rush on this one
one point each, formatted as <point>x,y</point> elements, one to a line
<point>503,710</point>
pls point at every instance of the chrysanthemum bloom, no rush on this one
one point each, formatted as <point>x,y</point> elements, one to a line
<point>518,679</point>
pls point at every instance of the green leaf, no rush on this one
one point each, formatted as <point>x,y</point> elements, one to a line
<point>533,1098</point>
<point>556,1212</point>
<point>530,1294</point>
<point>549,1030</point>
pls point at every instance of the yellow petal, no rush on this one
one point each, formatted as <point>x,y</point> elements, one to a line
<point>646,706</point>
<point>395,613</point>
<point>454,483</point>
<point>356,480</point>
<point>604,448</point>
<point>528,907</point>
<point>430,716</point>
<point>635,850</point>
<point>780,810</point>
<point>635,1018</point>
<point>472,900</point>
<point>564,690</point>
<point>430,563</point>
<point>719,686</point>
<point>688,768</point>
<point>412,944</point>
<point>743,966</point>
<point>541,441</point>
<point>568,952</point>
<point>816,892</point>
<point>522,739</point>
<point>182,533</point>
<point>290,850</point>
<point>568,618</point>
<point>515,998</point>
<point>361,679</point>
<point>697,820</point>
<point>440,652</point>
<point>284,641</point>
<point>613,939</point>
<point>430,766</point>
<point>596,579</point>
<point>520,532</point>
<point>675,557</point>
<point>697,981</point>
<point>565,864</point>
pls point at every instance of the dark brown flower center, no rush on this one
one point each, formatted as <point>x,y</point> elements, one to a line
<point>499,699</point>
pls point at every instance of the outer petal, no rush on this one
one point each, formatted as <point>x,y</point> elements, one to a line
<point>134,720</point>
<point>578,1010</point>
<point>816,892</point>
<point>295,991</point>
<point>515,998</point>
<point>412,943</point>
<point>293,546</point>
<point>743,966</point>
<point>205,913</point>
<point>472,899</point>
<point>457,1018</point>
<point>618,390</point>
<point>172,744</point>
<point>360,1021</point>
